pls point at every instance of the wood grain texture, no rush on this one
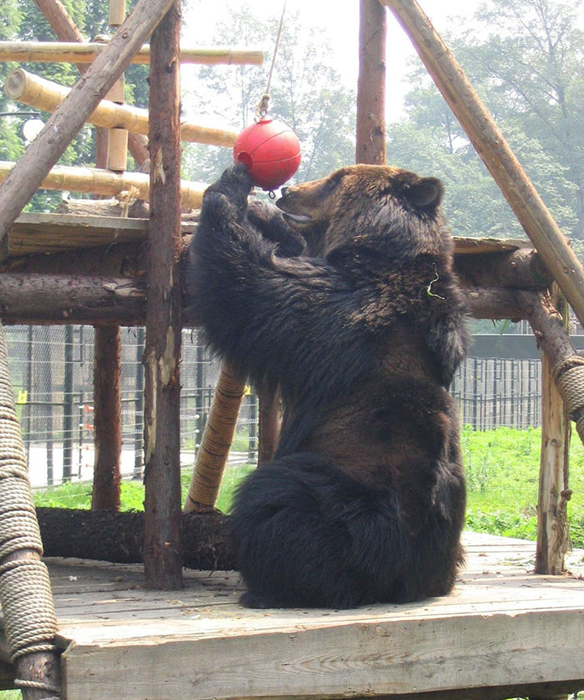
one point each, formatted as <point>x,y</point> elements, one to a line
<point>501,630</point>
<point>162,524</point>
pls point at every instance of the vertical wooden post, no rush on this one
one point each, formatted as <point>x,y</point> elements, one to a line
<point>370,146</point>
<point>107,368</point>
<point>162,541</point>
<point>552,517</point>
<point>107,423</point>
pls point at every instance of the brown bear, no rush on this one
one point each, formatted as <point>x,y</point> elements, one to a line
<point>344,298</point>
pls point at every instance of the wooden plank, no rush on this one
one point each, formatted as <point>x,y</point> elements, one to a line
<point>502,628</point>
<point>375,657</point>
<point>52,233</point>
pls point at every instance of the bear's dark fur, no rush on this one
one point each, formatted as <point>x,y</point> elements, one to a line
<point>347,303</point>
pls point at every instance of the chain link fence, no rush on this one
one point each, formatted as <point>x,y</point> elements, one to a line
<point>52,373</point>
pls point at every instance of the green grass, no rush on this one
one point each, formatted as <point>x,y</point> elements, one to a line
<point>78,495</point>
<point>502,469</point>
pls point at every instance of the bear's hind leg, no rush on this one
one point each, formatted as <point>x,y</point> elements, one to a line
<point>307,535</point>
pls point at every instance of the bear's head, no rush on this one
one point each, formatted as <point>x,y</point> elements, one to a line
<point>386,209</point>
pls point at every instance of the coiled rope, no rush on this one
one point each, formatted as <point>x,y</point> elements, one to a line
<point>25,592</point>
<point>569,377</point>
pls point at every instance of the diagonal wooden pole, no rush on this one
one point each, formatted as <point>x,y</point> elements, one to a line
<point>46,149</point>
<point>494,150</point>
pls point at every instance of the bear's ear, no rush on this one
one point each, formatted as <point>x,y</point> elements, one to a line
<point>425,193</point>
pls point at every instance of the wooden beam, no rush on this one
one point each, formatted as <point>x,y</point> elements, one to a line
<point>47,95</point>
<point>96,181</point>
<point>86,53</point>
<point>493,148</point>
<point>370,146</point>
<point>65,299</point>
<point>518,269</point>
<point>42,154</point>
<point>55,298</point>
<point>162,536</point>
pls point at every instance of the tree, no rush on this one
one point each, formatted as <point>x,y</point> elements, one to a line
<point>530,72</point>
<point>305,93</point>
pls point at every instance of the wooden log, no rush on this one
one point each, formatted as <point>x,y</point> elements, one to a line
<point>494,304</point>
<point>42,154</point>
<point>66,31</point>
<point>65,299</point>
<point>552,518</point>
<point>518,269</point>
<point>215,442</point>
<point>96,181</point>
<point>119,537</point>
<point>494,150</point>
<point>370,146</point>
<point>554,493</point>
<point>86,53</point>
<point>47,95</point>
<point>107,355</point>
<point>51,298</point>
<point>162,536</point>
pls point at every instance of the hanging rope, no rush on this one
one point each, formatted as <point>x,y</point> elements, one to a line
<point>263,105</point>
<point>25,592</point>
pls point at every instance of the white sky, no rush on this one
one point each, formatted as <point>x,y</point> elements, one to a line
<point>340,20</point>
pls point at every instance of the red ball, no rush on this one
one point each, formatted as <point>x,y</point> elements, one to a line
<point>271,151</point>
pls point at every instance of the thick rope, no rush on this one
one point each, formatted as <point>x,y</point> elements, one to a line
<point>569,377</point>
<point>25,592</point>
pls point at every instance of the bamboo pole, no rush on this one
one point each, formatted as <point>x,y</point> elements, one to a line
<point>494,150</point>
<point>85,53</point>
<point>61,127</point>
<point>162,506</point>
<point>95,181</point>
<point>38,92</point>
<point>66,30</point>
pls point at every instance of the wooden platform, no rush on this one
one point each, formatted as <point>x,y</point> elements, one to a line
<point>502,632</point>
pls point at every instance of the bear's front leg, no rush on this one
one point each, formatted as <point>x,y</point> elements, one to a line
<point>228,195</point>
